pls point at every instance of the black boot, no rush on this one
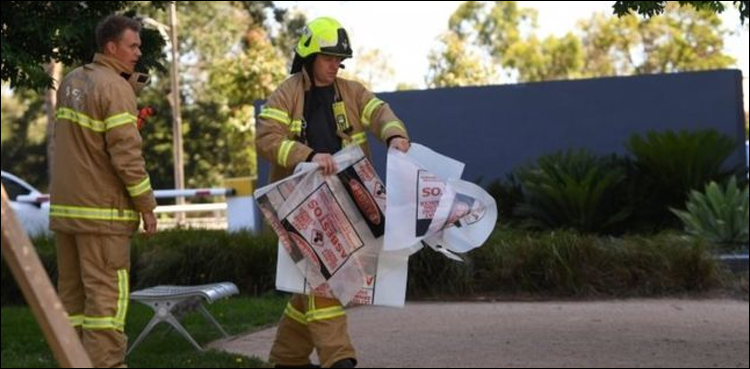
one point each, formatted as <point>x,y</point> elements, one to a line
<point>345,363</point>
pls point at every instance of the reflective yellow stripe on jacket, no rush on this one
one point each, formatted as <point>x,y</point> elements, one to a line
<point>284,149</point>
<point>140,188</point>
<point>95,125</point>
<point>389,125</point>
<point>275,114</point>
<point>296,127</point>
<point>359,138</point>
<point>81,212</point>
<point>369,109</point>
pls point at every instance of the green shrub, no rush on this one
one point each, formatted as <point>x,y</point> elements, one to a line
<point>565,263</point>
<point>192,257</point>
<point>573,189</point>
<point>719,215</point>
<point>560,263</point>
<point>45,248</point>
<point>432,275</point>
<point>182,257</point>
<point>671,164</point>
<point>508,193</point>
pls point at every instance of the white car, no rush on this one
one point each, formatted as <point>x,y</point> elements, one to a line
<point>33,216</point>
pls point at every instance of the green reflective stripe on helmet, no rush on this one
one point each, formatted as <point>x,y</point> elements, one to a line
<point>81,119</point>
<point>80,212</point>
<point>369,109</point>
<point>140,188</point>
<point>283,154</point>
<point>275,114</point>
<point>119,119</point>
<point>393,124</point>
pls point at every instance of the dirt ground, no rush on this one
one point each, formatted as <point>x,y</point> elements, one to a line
<point>620,333</point>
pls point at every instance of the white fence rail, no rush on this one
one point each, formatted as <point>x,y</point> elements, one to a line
<point>238,212</point>
<point>188,208</point>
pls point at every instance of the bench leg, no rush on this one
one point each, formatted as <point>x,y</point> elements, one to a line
<point>151,324</point>
<point>211,319</point>
<point>167,317</point>
<point>176,324</point>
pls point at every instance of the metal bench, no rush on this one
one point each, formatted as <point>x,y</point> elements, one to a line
<point>170,303</point>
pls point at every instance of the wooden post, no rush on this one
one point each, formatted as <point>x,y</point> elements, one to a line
<point>20,255</point>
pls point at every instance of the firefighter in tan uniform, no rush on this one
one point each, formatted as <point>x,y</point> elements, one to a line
<point>312,115</point>
<point>100,189</point>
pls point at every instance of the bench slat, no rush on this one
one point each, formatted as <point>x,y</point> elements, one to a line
<point>211,292</point>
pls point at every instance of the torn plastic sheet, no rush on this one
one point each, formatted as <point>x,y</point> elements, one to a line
<point>429,204</point>
<point>332,230</point>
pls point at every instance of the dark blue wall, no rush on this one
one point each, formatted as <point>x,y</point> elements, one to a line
<point>495,129</point>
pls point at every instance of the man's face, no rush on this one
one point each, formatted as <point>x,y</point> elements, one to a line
<point>325,69</point>
<point>127,49</point>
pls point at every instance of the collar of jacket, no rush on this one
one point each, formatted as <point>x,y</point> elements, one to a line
<point>136,80</point>
<point>112,63</point>
<point>306,82</point>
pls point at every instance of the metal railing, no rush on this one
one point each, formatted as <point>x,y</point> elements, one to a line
<point>234,213</point>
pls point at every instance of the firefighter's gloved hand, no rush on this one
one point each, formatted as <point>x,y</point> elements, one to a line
<point>326,163</point>
<point>143,114</point>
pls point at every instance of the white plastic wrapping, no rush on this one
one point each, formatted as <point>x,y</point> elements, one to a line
<point>332,230</point>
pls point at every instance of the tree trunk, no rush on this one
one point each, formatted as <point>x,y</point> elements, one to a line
<point>54,69</point>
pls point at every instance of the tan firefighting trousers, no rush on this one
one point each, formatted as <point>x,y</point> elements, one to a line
<point>312,322</point>
<point>94,288</point>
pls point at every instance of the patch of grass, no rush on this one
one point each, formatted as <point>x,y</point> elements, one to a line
<point>23,344</point>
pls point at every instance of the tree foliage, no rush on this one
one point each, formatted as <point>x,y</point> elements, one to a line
<point>682,39</point>
<point>232,54</point>
<point>66,34</point>
<point>229,60</point>
<point>457,65</point>
<point>651,8</point>
<point>368,66</point>
<point>23,147</point>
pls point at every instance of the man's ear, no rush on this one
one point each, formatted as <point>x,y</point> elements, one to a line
<point>110,48</point>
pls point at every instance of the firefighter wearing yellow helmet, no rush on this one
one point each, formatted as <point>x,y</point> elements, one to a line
<point>312,115</point>
<point>324,35</point>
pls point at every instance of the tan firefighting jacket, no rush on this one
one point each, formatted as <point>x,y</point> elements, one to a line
<point>280,124</point>
<point>99,181</point>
